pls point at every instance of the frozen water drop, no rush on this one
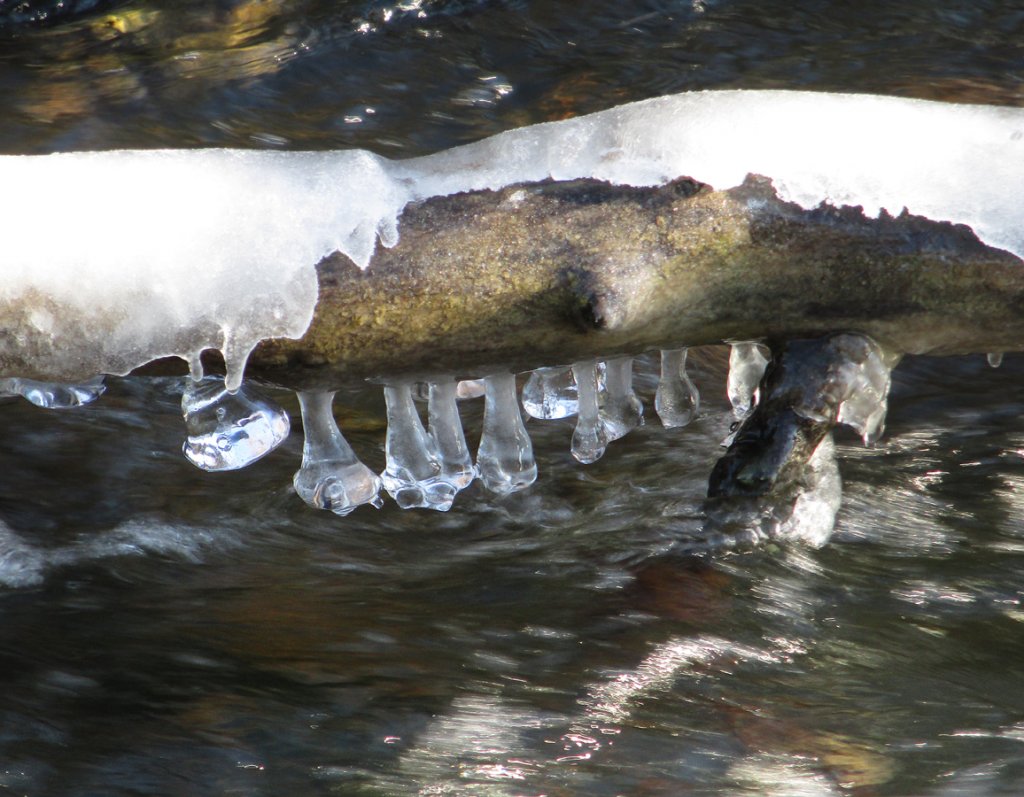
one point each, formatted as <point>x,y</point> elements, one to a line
<point>505,457</point>
<point>589,439</point>
<point>331,476</point>
<point>621,410</point>
<point>195,365</point>
<point>469,389</point>
<point>227,431</point>
<point>412,475</point>
<point>747,363</point>
<point>446,429</point>
<point>677,399</point>
<point>995,358</point>
<point>54,395</point>
<point>866,376</point>
<point>550,393</point>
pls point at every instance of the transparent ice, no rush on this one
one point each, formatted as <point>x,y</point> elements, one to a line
<point>677,399</point>
<point>227,431</point>
<point>445,428</point>
<point>995,358</point>
<point>747,363</point>
<point>469,389</point>
<point>53,395</point>
<point>550,393</point>
<point>413,474</point>
<point>331,476</point>
<point>590,439</point>
<point>504,459</point>
<point>868,377</point>
<point>621,410</point>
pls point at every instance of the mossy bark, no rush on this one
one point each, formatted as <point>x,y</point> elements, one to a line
<point>551,273</point>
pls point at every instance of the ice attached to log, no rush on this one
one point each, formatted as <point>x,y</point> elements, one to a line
<point>504,459</point>
<point>171,252</point>
<point>550,393</point>
<point>227,431</point>
<point>590,438</point>
<point>331,476</point>
<point>53,395</point>
<point>621,410</point>
<point>413,474</point>
<point>677,399</point>
<point>445,427</point>
<point>747,363</point>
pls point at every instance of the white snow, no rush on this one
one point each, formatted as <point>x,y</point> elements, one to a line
<point>109,260</point>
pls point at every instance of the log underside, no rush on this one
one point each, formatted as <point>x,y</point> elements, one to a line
<point>552,273</point>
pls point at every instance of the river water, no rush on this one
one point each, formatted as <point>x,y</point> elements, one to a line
<point>171,632</point>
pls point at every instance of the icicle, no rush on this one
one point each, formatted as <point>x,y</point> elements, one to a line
<point>550,393</point>
<point>331,476</point>
<point>866,377</point>
<point>995,358</point>
<point>413,472</point>
<point>446,429</point>
<point>621,410</point>
<point>227,431</point>
<point>747,364</point>
<point>53,395</point>
<point>195,365</point>
<point>677,399</point>
<point>590,438</point>
<point>505,457</point>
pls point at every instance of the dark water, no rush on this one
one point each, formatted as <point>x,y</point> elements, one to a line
<point>169,632</point>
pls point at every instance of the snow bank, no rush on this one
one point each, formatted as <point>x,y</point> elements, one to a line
<point>109,260</point>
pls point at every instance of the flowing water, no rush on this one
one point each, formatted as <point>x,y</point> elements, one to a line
<point>169,631</point>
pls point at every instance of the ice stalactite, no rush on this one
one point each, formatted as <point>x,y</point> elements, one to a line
<point>505,457</point>
<point>677,399</point>
<point>621,410</point>
<point>331,476</point>
<point>995,358</point>
<point>469,389</point>
<point>227,431</point>
<point>550,393</point>
<point>747,363</point>
<point>445,427</point>
<point>413,474</point>
<point>590,438</point>
<point>53,395</point>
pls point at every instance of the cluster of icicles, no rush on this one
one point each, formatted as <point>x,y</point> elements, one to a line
<point>426,466</point>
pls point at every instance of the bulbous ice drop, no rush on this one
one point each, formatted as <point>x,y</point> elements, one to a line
<point>550,393</point>
<point>412,475</point>
<point>227,431</point>
<point>621,411</point>
<point>677,399</point>
<point>53,395</point>
<point>331,476</point>
<point>747,364</point>
<point>445,428</point>
<point>505,457</point>
<point>995,358</point>
<point>589,439</point>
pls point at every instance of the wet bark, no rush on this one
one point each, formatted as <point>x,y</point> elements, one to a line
<point>549,273</point>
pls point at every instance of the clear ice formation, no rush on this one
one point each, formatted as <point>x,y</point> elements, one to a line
<point>331,476</point>
<point>590,438</point>
<point>53,395</point>
<point>227,431</point>
<point>995,358</point>
<point>413,474</point>
<point>621,411</point>
<point>747,363</point>
<point>445,427</point>
<point>550,393</point>
<point>868,376</point>
<point>677,399</point>
<point>218,248</point>
<point>504,459</point>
